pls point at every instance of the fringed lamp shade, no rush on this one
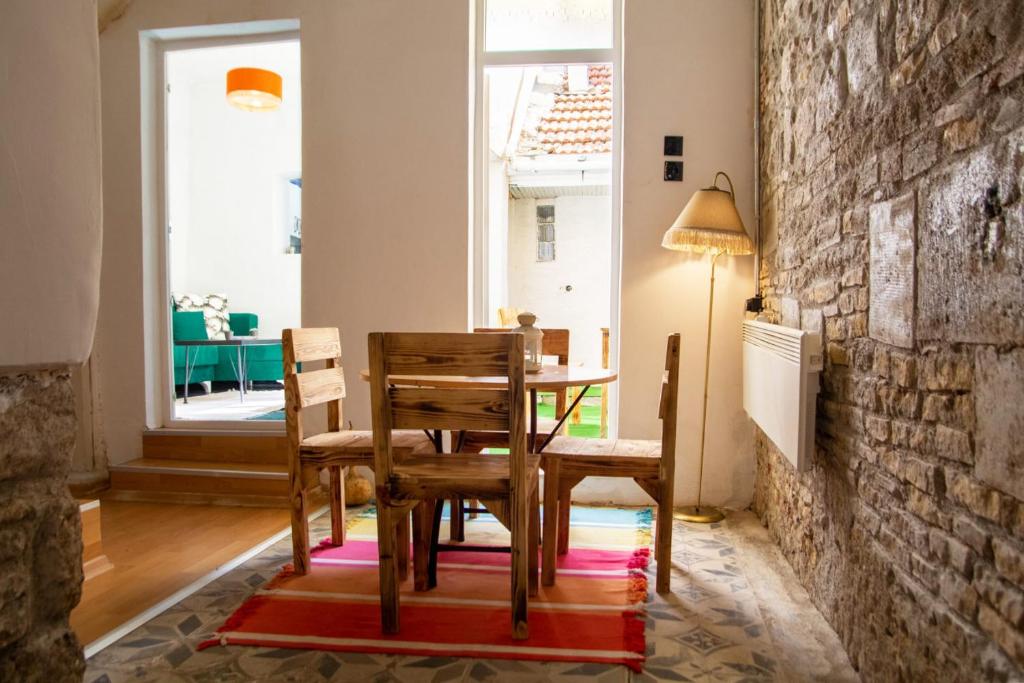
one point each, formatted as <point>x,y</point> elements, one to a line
<point>254,89</point>
<point>709,222</point>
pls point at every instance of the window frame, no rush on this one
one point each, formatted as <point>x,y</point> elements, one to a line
<point>478,251</point>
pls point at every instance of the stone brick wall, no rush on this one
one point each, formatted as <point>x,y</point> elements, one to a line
<point>40,529</point>
<point>893,222</point>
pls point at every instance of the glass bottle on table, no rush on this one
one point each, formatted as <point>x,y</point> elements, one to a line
<point>533,341</point>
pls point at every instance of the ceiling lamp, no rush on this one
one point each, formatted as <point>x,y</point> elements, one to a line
<point>254,89</point>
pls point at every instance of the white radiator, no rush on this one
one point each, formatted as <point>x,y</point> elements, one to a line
<point>780,386</point>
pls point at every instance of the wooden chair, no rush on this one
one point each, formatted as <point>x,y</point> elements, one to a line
<point>334,449</point>
<point>555,343</point>
<point>569,460</point>
<point>508,317</point>
<point>507,484</point>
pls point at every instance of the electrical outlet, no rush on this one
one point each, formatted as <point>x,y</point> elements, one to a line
<point>674,170</point>
<point>673,145</point>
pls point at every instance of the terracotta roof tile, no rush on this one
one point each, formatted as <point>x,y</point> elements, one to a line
<point>577,122</point>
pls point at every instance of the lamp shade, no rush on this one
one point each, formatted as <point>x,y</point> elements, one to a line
<point>709,222</point>
<point>254,89</point>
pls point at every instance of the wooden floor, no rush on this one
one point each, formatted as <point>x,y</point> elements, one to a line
<point>157,549</point>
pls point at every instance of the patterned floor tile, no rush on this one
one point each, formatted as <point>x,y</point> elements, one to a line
<point>710,628</point>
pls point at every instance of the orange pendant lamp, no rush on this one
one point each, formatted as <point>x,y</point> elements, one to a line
<point>254,89</point>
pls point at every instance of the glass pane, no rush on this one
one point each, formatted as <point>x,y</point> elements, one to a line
<point>548,25</point>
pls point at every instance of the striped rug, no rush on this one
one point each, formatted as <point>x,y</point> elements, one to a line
<point>594,613</point>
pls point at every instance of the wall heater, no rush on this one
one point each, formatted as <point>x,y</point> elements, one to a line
<point>780,386</point>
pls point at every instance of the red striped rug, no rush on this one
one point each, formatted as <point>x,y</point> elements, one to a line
<point>594,613</point>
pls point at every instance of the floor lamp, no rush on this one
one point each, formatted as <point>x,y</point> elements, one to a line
<point>708,223</point>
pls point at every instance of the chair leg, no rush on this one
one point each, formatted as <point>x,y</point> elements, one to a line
<point>520,518</point>
<point>300,531</point>
<point>386,542</point>
<point>457,520</point>
<point>551,516</point>
<point>402,551</point>
<point>337,503</point>
<point>534,534</point>
<point>663,539</point>
<point>564,506</point>
<point>422,533</point>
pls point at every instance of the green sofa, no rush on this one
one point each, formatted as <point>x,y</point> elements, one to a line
<point>216,363</point>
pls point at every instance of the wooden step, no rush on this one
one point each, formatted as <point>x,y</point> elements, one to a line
<point>198,481</point>
<point>271,448</point>
<point>94,561</point>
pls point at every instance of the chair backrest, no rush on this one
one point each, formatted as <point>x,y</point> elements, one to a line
<point>508,316</point>
<point>446,354</point>
<point>555,341</point>
<point>312,387</point>
<point>667,407</point>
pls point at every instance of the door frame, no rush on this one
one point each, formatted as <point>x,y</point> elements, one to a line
<point>154,45</point>
<point>479,251</point>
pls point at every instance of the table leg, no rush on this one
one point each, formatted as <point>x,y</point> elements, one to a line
<point>188,373</point>
<point>561,421</point>
<point>533,420</point>
<point>241,376</point>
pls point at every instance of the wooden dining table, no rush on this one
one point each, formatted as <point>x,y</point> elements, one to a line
<point>550,378</point>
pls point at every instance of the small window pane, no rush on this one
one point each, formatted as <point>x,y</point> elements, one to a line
<point>548,25</point>
<point>545,251</point>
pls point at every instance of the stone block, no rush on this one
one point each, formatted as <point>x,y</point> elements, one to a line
<point>973,534</point>
<point>1008,600</point>
<point>789,312</point>
<point>812,320</point>
<point>971,283</point>
<point>959,594</point>
<point>1009,559</point>
<point>891,273</point>
<point>953,444</point>
<point>979,499</point>
<point>999,407</point>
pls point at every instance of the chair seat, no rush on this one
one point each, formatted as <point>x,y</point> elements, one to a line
<point>358,444</point>
<point>606,457</point>
<point>447,475</point>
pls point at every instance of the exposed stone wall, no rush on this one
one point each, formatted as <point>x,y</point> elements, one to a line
<point>892,156</point>
<point>40,529</point>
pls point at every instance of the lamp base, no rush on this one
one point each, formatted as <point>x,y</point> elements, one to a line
<point>705,514</point>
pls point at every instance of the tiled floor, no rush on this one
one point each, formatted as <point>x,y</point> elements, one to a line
<point>225,405</point>
<point>735,614</point>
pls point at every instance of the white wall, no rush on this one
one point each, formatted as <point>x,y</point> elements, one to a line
<point>582,260</point>
<point>385,182</point>
<point>385,157</point>
<point>689,70</point>
<point>227,170</point>
<point>50,208</point>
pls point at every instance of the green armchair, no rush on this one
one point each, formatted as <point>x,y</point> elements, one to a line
<point>188,326</point>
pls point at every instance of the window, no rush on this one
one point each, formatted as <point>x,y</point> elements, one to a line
<point>545,232</point>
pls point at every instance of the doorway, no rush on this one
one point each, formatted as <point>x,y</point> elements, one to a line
<point>547,233</point>
<point>233,203</point>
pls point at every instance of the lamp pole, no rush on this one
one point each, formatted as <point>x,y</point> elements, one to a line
<point>695,513</point>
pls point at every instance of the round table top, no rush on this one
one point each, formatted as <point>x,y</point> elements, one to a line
<point>550,378</point>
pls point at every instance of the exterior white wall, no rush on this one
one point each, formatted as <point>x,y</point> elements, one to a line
<point>50,204</point>
<point>582,260</point>
<point>227,170</point>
